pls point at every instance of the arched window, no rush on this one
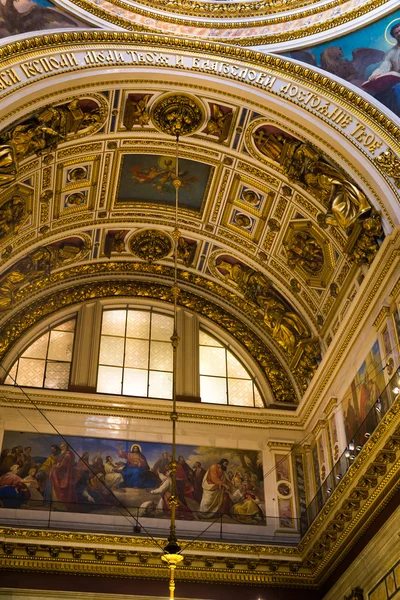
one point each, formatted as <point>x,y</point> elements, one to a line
<point>223,378</point>
<point>136,353</point>
<point>46,362</point>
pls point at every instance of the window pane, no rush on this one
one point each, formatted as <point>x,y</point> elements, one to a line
<point>30,372</point>
<point>109,380</point>
<point>258,399</point>
<point>111,350</point>
<point>137,354</point>
<point>61,343</point>
<point>213,389</point>
<point>207,340</point>
<point>114,322</point>
<point>160,385</point>
<point>162,327</point>
<point>240,392</point>
<point>67,326</point>
<point>38,348</point>
<point>161,356</point>
<point>13,371</point>
<point>135,382</point>
<point>212,361</point>
<point>235,368</point>
<point>57,375</point>
<point>138,325</point>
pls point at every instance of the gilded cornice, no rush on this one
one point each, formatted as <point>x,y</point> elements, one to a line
<point>332,404</point>
<point>316,81</point>
<point>396,290</point>
<point>319,426</point>
<point>229,9</point>
<point>384,314</point>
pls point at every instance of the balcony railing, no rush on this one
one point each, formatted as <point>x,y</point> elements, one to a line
<point>380,407</point>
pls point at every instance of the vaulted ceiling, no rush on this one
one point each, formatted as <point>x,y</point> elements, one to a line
<point>276,233</point>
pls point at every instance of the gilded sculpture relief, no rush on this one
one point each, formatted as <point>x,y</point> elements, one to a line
<point>219,123</point>
<point>285,326</point>
<point>44,130</point>
<point>150,245</point>
<point>304,251</point>
<point>136,111</point>
<point>302,162</point>
<point>37,265</point>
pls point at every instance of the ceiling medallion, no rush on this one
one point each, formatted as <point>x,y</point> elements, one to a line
<point>150,245</point>
<point>178,114</point>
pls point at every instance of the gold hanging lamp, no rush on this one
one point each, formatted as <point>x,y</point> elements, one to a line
<point>177,115</point>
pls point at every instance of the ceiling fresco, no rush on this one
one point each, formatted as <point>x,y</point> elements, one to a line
<point>367,58</point>
<point>275,235</point>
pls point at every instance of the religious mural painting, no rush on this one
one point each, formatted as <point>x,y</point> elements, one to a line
<point>149,178</point>
<point>363,392</point>
<point>369,58</point>
<point>34,15</point>
<point>97,475</point>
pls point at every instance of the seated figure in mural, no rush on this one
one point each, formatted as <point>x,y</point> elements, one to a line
<point>13,492</point>
<point>390,64</point>
<point>136,472</point>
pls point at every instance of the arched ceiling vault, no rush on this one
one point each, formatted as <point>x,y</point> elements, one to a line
<point>289,185</point>
<point>247,23</point>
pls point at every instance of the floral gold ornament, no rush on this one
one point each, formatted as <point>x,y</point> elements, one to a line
<point>390,164</point>
<point>150,245</point>
<point>304,251</point>
<point>177,114</point>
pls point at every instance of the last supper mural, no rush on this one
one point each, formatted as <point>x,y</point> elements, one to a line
<point>97,475</point>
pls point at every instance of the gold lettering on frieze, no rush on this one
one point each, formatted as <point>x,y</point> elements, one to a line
<point>48,64</point>
<point>8,78</point>
<point>366,138</point>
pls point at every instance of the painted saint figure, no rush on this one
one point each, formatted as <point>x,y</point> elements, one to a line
<point>216,500</point>
<point>136,472</point>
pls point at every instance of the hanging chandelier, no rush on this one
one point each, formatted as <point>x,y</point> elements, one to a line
<point>176,115</point>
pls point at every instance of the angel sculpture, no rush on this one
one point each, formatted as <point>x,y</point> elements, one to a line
<point>220,123</point>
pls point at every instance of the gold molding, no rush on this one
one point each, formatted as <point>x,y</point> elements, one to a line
<point>384,313</point>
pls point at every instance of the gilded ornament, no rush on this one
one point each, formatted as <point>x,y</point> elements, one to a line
<point>367,244</point>
<point>177,114</point>
<point>302,162</point>
<point>304,251</point>
<point>150,245</point>
<point>136,111</point>
<point>8,165</point>
<point>219,123</point>
<point>13,214</point>
<point>44,130</point>
<point>390,164</point>
<point>285,326</point>
<point>186,250</point>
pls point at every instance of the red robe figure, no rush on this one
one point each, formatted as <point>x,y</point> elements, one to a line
<point>63,477</point>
